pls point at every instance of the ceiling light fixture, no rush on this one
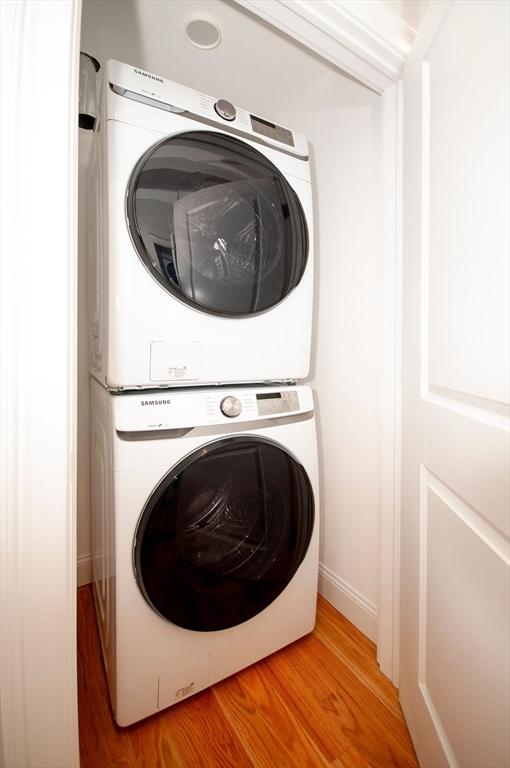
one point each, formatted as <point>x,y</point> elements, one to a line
<point>203,33</point>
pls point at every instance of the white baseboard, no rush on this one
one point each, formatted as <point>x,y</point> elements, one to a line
<point>84,566</point>
<point>360,611</point>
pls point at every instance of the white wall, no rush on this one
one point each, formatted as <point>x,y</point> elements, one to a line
<point>259,68</point>
<point>346,362</point>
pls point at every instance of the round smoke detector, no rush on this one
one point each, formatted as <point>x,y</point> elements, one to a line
<point>204,34</point>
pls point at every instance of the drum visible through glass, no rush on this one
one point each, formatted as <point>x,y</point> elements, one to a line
<point>224,533</point>
<point>217,224</point>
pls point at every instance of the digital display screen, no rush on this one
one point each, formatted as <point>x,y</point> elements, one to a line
<point>259,121</point>
<point>274,403</point>
<point>272,131</point>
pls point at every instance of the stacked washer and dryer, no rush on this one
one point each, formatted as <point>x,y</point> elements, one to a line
<point>203,447</point>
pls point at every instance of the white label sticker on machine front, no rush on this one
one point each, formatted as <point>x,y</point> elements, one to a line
<point>175,361</point>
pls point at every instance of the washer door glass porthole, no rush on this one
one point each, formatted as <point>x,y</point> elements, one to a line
<point>224,533</point>
<point>217,224</point>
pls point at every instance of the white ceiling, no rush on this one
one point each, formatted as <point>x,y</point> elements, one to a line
<point>255,66</point>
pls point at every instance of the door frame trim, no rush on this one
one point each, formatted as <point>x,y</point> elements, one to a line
<point>38,320</point>
<point>366,40</point>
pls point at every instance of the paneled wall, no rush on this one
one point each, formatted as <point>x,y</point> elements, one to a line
<point>259,68</point>
<point>455,534</point>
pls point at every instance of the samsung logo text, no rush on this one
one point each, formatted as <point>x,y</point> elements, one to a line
<point>146,74</point>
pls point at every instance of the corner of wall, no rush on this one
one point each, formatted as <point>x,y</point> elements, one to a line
<point>347,600</point>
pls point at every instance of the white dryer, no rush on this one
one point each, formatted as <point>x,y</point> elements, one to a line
<point>205,535</point>
<point>201,266</point>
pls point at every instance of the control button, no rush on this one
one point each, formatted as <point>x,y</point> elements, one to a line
<point>231,406</point>
<point>225,109</point>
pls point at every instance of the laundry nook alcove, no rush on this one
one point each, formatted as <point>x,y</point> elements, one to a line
<point>231,326</point>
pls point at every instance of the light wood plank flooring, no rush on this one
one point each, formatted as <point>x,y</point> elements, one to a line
<point>319,702</point>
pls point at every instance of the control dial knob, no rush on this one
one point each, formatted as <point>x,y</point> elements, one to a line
<point>231,406</point>
<point>225,109</point>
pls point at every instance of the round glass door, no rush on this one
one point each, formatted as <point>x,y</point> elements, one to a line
<point>217,224</point>
<point>224,533</point>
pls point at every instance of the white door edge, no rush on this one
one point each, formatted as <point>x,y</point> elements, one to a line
<point>391,366</point>
<point>38,267</point>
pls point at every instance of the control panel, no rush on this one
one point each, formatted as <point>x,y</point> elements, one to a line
<point>151,89</point>
<point>171,409</point>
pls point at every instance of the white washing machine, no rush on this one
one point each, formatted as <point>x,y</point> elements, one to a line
<point>205,535</point>
<point>201,267</point>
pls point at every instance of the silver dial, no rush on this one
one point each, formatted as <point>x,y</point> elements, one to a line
<point>225,109</point>
<point>231,406</point>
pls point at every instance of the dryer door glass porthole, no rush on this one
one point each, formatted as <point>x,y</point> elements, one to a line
<point>217,224</point>
<point>224,533</point>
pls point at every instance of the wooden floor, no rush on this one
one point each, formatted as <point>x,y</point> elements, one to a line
<point>319,702</point>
